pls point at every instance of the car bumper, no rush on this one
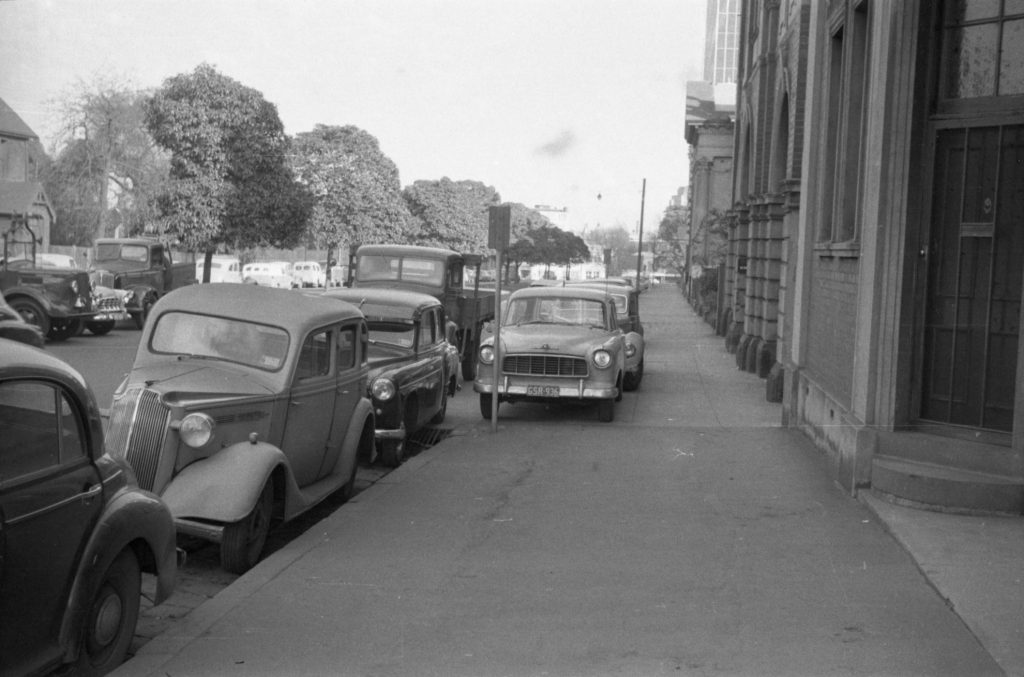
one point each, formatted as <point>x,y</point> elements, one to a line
<point>390,433</point>
<point>577,390</point>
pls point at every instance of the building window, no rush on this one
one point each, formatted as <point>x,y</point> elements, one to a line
<point>844,143</point>
<point>983,53</point>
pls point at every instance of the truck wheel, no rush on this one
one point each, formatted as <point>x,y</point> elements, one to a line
<point>100,327</point>
<point>141,316</point>
<point>111,617</point>
<point>32,313</point>
<point>242,541</point>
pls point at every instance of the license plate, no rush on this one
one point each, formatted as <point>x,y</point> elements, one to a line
<point>542,391</point>
<point>111,316</point>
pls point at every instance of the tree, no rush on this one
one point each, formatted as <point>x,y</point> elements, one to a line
<point>230,179</point>
<point>357,195</point>
<point>617,240</point>
<point>107,169</point>
<point>670,247</point>
<point>452,214</point>
<point>552,245</point>
<point>521,244</point>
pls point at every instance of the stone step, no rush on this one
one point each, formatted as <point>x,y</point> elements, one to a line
<point>945,488</point>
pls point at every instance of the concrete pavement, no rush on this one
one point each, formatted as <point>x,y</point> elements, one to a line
<point>691,536</point>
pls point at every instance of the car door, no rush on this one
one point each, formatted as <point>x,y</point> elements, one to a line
<point>430,354</point>
<point>50,499</point>
<point>310,413</point>
<point>351,360</point>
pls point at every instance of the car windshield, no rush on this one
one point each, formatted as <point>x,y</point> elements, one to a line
<point>555,310</point>
<point>398,334</point>
<point>220,338</point>
<point>409,269</point>
<point>128,252</point>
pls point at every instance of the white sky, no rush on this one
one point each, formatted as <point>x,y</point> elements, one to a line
<point>550,101</point>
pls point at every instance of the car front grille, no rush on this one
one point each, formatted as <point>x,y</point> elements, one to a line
<point>138,423</point>
<point>544,365</point>
<point>108,304</point>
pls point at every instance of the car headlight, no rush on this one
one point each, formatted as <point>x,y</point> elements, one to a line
<point>74,286</point>
<point>382,389</point>
<point>487,354</point>
<point>630,349</point>
<point>196,430</point>
<point>602,358</point>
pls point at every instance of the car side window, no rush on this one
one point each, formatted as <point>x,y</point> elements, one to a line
<point>427,335</point>
<point>346,348</point>
<point>72,443</point>
<point>30,427</point>
<point>315,355</point>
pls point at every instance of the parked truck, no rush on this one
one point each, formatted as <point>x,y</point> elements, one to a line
<point>440,273</point>
<point>56,300</point>
<point>142,266</point>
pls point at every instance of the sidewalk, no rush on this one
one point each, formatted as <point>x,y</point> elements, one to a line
<point>975,564</point>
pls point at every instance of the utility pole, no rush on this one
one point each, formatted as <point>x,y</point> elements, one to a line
<point>640,243</point>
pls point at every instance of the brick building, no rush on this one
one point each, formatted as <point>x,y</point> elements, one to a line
<point>883,253</point>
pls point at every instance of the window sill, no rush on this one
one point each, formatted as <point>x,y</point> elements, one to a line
<point>840,250</point>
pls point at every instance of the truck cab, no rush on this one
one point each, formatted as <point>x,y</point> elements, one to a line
<point>144,267</point>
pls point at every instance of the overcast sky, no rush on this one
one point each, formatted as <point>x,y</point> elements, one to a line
<point>552,102</point>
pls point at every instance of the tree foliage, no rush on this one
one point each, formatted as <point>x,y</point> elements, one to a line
<point>230,179</point>
<point>623,250</point>
<point>673,233</point>
<point>357,195</point>
<point>522,248</point>
<point>107,168</point>
<point>452,214</point>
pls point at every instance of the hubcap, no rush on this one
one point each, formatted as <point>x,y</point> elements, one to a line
<point>108,618</point>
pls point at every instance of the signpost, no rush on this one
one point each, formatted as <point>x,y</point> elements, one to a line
<point>499,229</point>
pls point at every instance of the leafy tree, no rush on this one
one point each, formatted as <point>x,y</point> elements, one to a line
<point>357,196</point>
<point>522,248</point>
<point>452,214</point>
<point>552,245</point>
<point>670,247</point>
<point>230,179</point>
<point>107,168</point>
<point>618,241</point>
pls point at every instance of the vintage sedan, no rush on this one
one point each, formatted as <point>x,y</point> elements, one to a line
<point>245,405</point>
<point>557,343</point>
<point>413,363</point>
<point>75,530</point>
<point>627,310</point>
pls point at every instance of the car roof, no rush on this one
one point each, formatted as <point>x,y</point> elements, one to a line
<point>570,292</point>
<point>406,250</point>
<point>282,307</point>
<point>22,360</point>
<point>383,296</point>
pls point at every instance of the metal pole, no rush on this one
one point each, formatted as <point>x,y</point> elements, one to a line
<point>497,342</point>
<point>640,244</point>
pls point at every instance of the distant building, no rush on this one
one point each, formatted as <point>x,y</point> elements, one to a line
<point>22,198</point>
<point>721,41</point>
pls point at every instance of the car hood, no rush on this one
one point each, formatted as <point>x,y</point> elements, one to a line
<point>555,338</point>
<point>192,379</point>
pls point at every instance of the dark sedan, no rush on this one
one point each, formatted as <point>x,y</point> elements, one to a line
<point>75,530</point>
<point>413,364</point>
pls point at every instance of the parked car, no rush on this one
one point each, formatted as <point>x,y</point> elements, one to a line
<point>269,274</point>
<point>245,405</point>
<point>308,274</point>
<point>413,363</point>
<point>14,327</point>
<point>558,343</point>
<point>627,302</point>
<point>75,530</point>
<point>223,268</point>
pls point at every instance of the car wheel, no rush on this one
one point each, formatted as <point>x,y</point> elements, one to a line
<point>631,381</point>
<point>443,411</point>
<point>111,617</point>
<point>242,541</point>
<point>392,452</point>
<point>100,327</point>
<point>32,313</point>
<point>62,330</point>
<point>348,490</point>
<point>141,316</point>
<point>485,405</point>
<point>606,410</point>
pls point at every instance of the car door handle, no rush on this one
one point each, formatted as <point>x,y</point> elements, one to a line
<point>90,492</point>
<point>295,403</point>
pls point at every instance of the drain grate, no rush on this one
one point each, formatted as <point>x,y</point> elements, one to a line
<point>424,438</point>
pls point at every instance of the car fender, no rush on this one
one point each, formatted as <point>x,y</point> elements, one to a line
<point>225,486</point>
<point>131,515</point>
<point>139,294</point>
<point>349,455</point>
<point>633,363</point>
<point>12,294</point>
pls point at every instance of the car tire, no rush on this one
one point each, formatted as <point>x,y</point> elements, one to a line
<point>243,541</point>
<point>631,380</point>
<point>348,490</point>
<point>100,327</point>
<point>141,316</point>
<point>392,452</point>
<point>110,619</point>
<point>485,405</point>
<point>606,410</point>
<point>32,313</point>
